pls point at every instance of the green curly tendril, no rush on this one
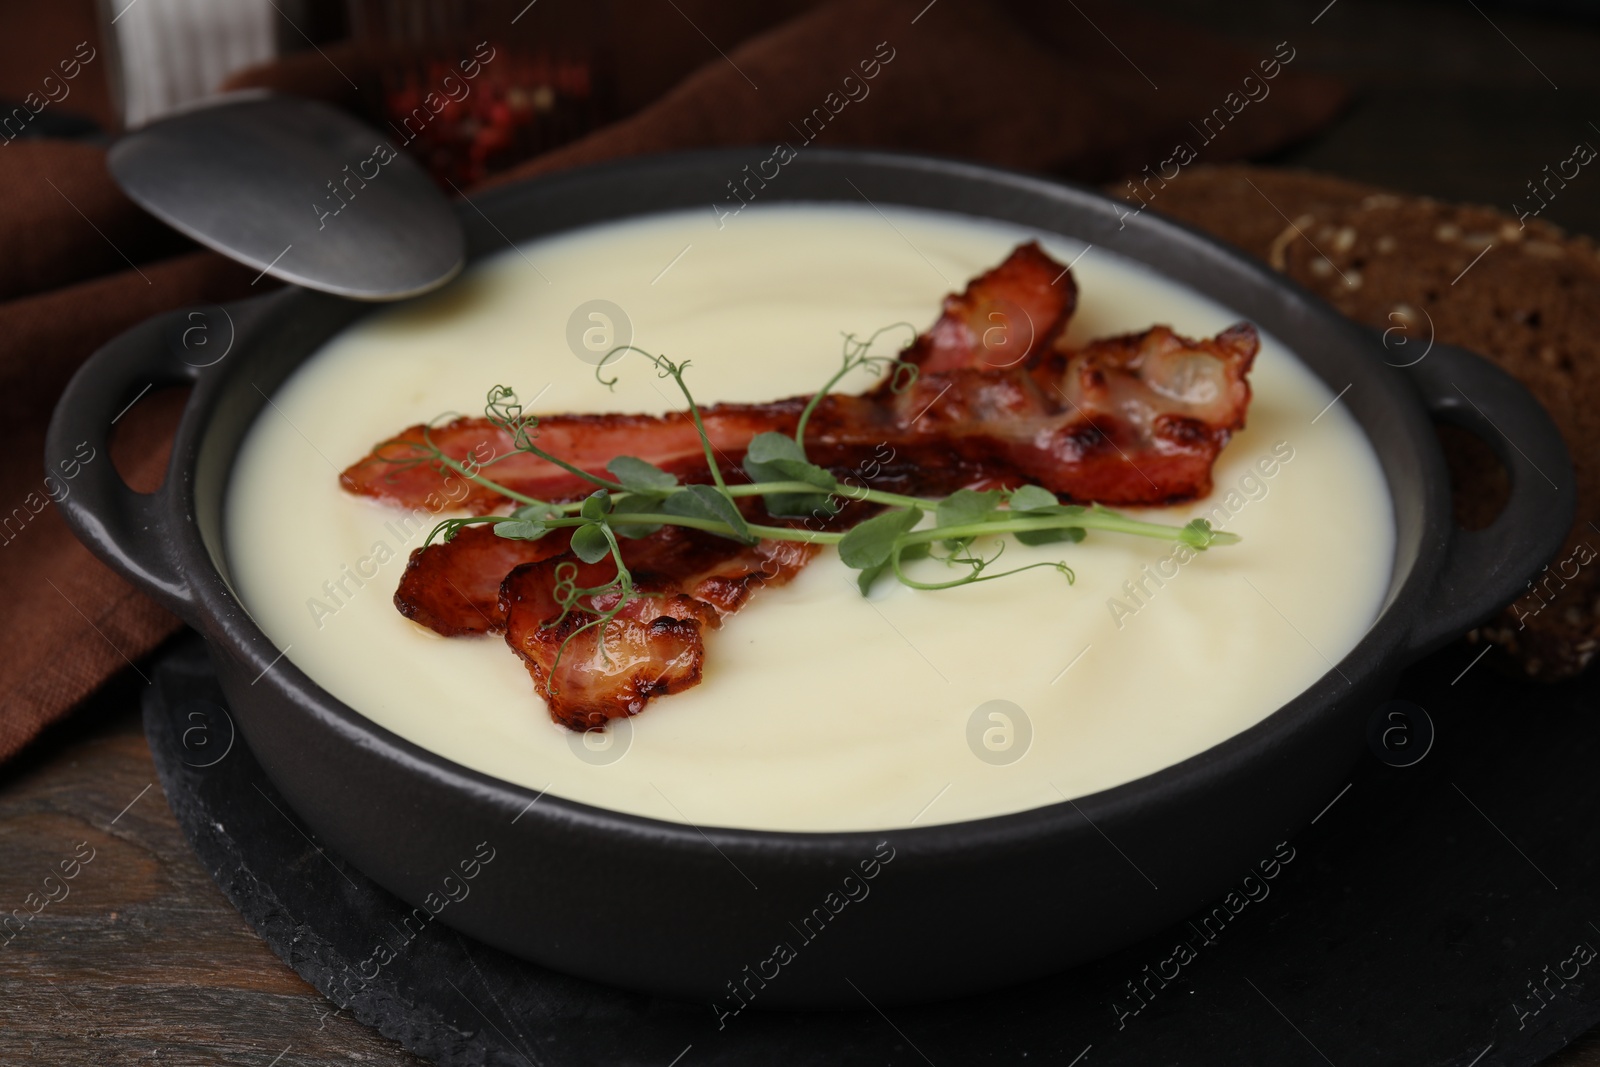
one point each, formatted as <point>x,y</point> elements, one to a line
<point>640,498</point>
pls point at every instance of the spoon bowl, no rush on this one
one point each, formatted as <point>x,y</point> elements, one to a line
<point>298,190</point>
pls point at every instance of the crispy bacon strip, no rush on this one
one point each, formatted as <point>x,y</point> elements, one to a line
<point>654,646</point>
<point>1007,317</point>
<point>478,583</point>
<point>453,587</point>
<point>1134,420</point>
<point>1149,407</point>
<point>1001,399</point>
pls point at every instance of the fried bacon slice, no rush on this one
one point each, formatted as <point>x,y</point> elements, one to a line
<point>1001,399</point>
<point>588,674</point>
<point>652,647</point>
<point>453,587</point>
<point>1131,420</point>
<point>1152,407</point>
<point>478,583</point>
<point>1006,317</point>
<point>1134,420</point>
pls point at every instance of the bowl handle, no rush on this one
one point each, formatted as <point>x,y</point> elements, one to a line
<point>124,528</point>
<point>1486,569</point>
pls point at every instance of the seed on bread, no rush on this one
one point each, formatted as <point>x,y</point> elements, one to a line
<point>1531,303</point>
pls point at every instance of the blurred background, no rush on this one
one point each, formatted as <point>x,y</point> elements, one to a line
<point>1462,100</point>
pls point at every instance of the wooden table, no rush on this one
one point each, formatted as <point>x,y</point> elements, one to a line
<point>145,962</point>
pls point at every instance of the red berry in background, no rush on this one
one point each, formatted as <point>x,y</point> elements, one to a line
<point>517,107</point>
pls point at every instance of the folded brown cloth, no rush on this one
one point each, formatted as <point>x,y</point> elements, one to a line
<point>1081,90</point>
<point>69,622</point>
<point>1025,83</point>
<point>64,220</point>
<point>1520,292</point>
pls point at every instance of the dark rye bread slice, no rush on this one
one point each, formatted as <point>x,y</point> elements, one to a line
<point>1531,303</point>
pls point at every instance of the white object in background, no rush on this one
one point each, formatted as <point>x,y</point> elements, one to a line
<point>173,52</point>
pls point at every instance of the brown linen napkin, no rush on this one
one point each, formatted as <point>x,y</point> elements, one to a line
<point>63,220</point>
<point>1020,83</point>
<point>1079,91</point>
<point>70,623</point>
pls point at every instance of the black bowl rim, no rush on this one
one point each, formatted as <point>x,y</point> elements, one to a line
<point>222,617</point>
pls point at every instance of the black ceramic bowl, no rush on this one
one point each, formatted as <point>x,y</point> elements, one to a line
<point>695,912</point>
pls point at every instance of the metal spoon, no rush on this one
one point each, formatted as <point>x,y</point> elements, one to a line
<point>298,190</point>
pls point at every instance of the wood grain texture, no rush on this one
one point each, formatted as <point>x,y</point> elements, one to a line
<point>139,959</point>
<point>142,960</point>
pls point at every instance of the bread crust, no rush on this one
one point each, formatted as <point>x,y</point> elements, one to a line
<point>1525,294</point>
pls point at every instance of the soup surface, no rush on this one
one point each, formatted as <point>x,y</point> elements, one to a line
<point>819,710</point>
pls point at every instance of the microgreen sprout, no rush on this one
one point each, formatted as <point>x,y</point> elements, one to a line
<point>640,498</point>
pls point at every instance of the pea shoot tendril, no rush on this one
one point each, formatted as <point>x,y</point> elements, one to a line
<point>639,498</point>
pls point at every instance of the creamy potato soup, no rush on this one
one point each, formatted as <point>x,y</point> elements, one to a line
<point>819,710</point>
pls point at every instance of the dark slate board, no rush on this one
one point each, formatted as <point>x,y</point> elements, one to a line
<point>1410,927</point>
